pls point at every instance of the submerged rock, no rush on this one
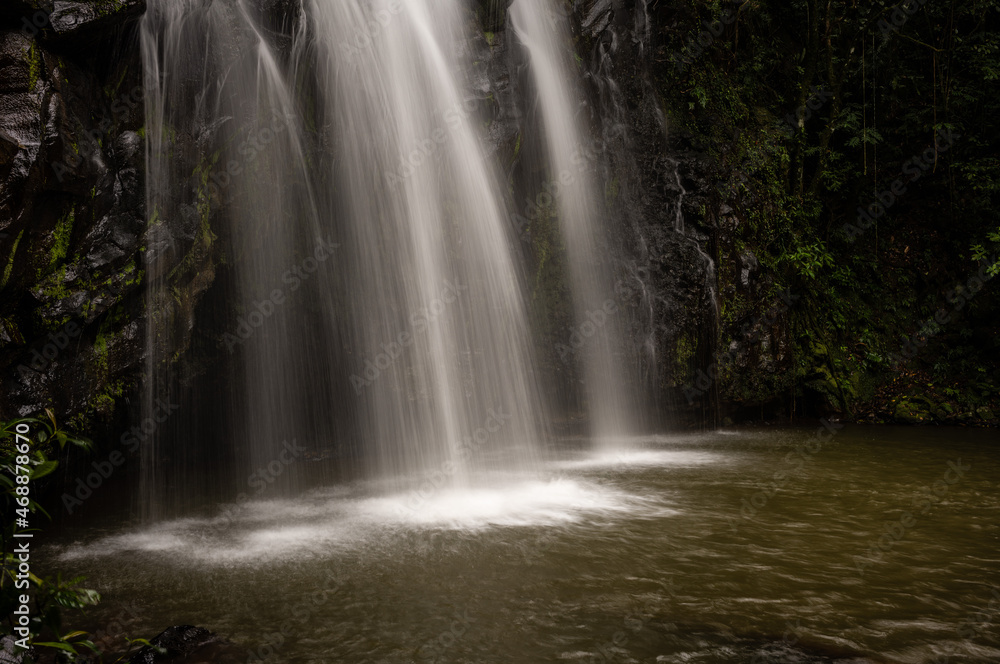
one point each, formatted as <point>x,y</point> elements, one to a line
<point>187,644</point>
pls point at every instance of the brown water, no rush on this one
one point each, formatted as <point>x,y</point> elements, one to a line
<point>649,554</point>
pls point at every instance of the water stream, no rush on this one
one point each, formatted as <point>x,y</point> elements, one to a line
<point>544,34</point>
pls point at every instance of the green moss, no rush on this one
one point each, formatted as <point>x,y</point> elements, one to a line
<point>205,238</point>
<point>490,38</point>
<point>34,66</point>
<point>9,327</point>
<point>61,239</point>
<point>54,288</point>
<point>101,354</point>
<point>683,360</point>
<point>10,261</point>
<point>78,422</point>
<point>106,400</point>
<point>108,7</point>
<point>909,412</point>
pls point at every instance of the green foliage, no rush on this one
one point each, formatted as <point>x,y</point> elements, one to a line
<point>809,259</point>
<point>991,252</point>
<point>49,596</point>
<point>814,110</point>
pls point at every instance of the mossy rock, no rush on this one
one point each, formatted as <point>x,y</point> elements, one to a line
<point>911,412</point>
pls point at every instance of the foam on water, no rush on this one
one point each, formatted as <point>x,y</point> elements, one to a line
<point>633,458</point>
<point>327,521</point>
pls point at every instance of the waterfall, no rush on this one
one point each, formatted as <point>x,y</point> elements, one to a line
<point>325,218</point>
<point>224,143</point>
<point>329,176</point>
<point>543,31</point>
<point>438,336</point>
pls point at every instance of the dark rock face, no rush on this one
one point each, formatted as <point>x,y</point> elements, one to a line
<point>673,209</point>
<point>663,207</point>
<point>72,207</point>
<point>81,22</point>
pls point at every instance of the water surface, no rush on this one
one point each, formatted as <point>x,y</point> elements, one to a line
<point>717,547</point>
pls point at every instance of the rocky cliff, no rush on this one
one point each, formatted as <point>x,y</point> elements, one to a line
<point>72,213</point>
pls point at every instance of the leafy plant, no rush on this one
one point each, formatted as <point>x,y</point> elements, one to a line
<point>50,596</point>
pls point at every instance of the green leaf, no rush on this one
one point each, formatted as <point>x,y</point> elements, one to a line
<point>43,469</point>
<point>68,647</point>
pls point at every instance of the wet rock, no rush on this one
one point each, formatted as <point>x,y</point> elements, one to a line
<point>911,412</point>
<point>10,653</point>
<point>72,211</point>
<point>186,644</point>
<point>80,21</point>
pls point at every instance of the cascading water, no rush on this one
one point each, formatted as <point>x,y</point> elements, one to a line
<point>544,34</point>
<point>438,337</point>
<point>370,277</point>
<point>225,142</point>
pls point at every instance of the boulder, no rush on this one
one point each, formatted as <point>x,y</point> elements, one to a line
<point>186,644</point>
